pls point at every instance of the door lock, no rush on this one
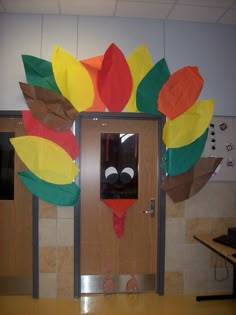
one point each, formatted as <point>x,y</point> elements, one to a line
<point>151,211</point>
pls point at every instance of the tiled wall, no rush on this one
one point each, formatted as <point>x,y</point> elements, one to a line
<point>56,241</point>
<point>189,265</point>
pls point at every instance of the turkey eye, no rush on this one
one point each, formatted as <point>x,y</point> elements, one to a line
<point>126,175</point>
<point>111,175</point>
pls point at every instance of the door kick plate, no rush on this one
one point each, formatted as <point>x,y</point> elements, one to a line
<point>118,283</point>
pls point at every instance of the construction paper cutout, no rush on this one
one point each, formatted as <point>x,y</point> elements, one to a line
<point>39,72</point>
<point>72,79</point>
<point>140,62</point>
<point>150,86</point>
<point>111,175</point>
<point>118,151</point>
<point>108,284</point>
<point>186,185</point>
<point>180,91</point>
<point>59,195</point>
<point>189,126</point>
<point>114,80</point>
<point>126,175</point>
<point>50,108</point>
<point>180,160</point>
<point>94,62</point>
<point>118,224</point>
<point>119,206</point>
<point>64,139</point>
<point>132,284</point>
<point>93,65</point>
<point>45,159</point>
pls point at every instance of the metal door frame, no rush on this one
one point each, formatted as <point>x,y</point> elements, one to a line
<point>160,267</point>
<point>35,235</point>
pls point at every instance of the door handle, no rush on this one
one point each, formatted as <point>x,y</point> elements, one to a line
<point>151,211</point>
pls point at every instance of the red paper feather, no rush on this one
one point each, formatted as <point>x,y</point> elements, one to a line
<point>114,80</point>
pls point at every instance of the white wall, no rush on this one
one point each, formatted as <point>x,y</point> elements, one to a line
<point>210,47</point>
<point>213,49</point>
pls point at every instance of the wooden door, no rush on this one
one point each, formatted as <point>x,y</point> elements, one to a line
<point>110,263</point>
<point>15,222</point>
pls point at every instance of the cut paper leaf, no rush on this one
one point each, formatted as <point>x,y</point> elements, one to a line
<point>93,65</point>
<point>119,206</point>
<point>39,72</point>
<point>189,126</point>
<point>140,62</point>
<point>45,159</point>
<point>59,195</point>
<point>72,79</point>
<point>114,80</point>
<point>64,139</point>
<point>186,185</point>
<point>50,108</point>
<point>180,160</point>
<point>180,91</point>
<point>150,86</point>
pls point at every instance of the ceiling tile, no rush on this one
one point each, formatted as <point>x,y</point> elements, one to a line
<point>32,6</point>
<point>1,8</point>
<point>229,17</point>
<point>88,7</point>
<point>143,10</point>
<point>150,1</point>
<point>208,3</point>
<point>196,14</point>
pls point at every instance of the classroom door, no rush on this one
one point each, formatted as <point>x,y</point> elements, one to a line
<point>15,216</point>
<point>110,263</point>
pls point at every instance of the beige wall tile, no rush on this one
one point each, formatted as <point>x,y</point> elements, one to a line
<point>65,212</point>
<point>218,261</point>
<point>47,232</point>
<point>47,259</point>
<point>196,256</point>
<point>175,237</point>
<point>174,257</point>
<point>195,281</point>
<point>174,283</point>
<point>220,280</point>
<point>65,232</point>
<point>174,210</point>
<point>65,285</point>
<point>196,225</point>
<point>47,285</point>
<point>65,259</point>
<point>47,210</point>
<point>175,231</point>
<point>221,225</point>
<point>214,200</point>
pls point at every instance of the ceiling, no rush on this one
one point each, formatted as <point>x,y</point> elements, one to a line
<point>203,11</point>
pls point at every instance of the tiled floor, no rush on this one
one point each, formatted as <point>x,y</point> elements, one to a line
<point>117,304</point>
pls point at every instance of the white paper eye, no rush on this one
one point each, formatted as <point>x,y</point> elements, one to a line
<point>111,175</point>
<point>127,175</point>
